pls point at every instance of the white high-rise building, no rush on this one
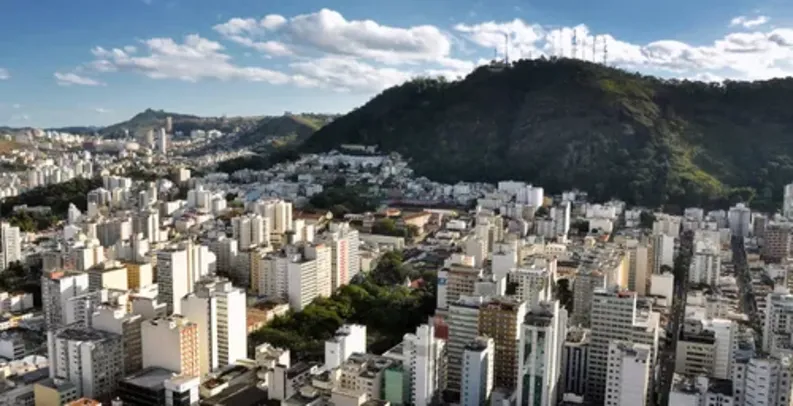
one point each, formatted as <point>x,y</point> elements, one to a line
<point>147,222</point>
<point>463,320</point>
<point>477,372</point>
<point>561,218</point>
<point>10,245</point>
<point>705,265</point>
<point>171,343</point>
<point>91,360</point>
<point>628,377</point>
<point>778,322</point>
<point>116,320</point>
<point>345,262</point>
<point>615,317</point>
<point>218,309</point>
<point>787,205</point>
<point>57,288</point>
<point>251,230</point>
<point>349,339</point>
<point>766,381</point>
<point>533,284</point>
<point>178,269</point>
<point>663,252</point>
<point>426,362</point>
<point>279,212</point>
<point>740,220</point>
<point>162,142</point>
<point>542,338</point>
<point>299,274</point>
<point>725,332</point>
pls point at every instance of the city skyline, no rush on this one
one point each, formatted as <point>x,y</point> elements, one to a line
<point>92,63</point>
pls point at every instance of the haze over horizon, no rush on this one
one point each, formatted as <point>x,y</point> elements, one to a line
<point>94,63</point>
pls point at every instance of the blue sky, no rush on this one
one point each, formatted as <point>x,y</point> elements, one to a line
<point>97,62</point>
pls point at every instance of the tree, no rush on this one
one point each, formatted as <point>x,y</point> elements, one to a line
<point>541,211</point>
<point>564,294</point>
<point>646,219</point>
<point>388,310</point>
<point>390,269</point>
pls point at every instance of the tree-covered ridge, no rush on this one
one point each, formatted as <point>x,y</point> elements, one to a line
<point>281,131</point>
<point>568,123</point>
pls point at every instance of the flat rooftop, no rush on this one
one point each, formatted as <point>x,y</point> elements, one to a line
<point>150,378</point>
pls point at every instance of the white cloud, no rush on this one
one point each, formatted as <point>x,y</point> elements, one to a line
<point>101,110</point>
<point>194,59</point>
<point>329,33</point>
<point>346,74</point>
<point>16,106</point>
<point>68,79</point>
<point>4,74</point>
<point>737,55</point>
<point>748,22</point>
<point>20,117</point>
<point>326,50</point>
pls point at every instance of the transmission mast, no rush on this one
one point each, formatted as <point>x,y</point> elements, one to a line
<point>506,48</point>
<point>605,51</point>
<point>594,48</point>
<point>575,44</point>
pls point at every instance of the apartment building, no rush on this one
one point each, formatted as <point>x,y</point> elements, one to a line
<point>218,309</point>
<point>542,337</point>
<point>500,319</point>
<point>629,369</point>
<point>477,372</point>
<point>171,343</point>
<point>92,360</point>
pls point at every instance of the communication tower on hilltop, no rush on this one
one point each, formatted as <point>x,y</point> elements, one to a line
<point>575,44</point>
<point>605,51</point>
<point>506,48</point>
<point>594,48</point>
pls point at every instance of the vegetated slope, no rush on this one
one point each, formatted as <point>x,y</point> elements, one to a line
<point>280,131</point>
<point>184,123</point>
<point>571,124</point>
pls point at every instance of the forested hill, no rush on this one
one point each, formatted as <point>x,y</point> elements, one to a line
<point>567,123</point>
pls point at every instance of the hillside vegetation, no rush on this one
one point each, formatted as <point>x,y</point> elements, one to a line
<point>280,131</point>
<point>571,124</point>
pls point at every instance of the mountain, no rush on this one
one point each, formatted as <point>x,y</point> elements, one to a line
<point>570,124</point>
<point>184,123</point>
<point>280,131</point>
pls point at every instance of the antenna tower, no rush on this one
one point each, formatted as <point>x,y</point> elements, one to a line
<point>594,48</point>
<point>575,44</point>
<point>506,48</point>
<point>605,51</point>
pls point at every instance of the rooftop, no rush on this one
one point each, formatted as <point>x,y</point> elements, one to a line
<point>150,378</point>
<point>479,344</point>
<point>84,334</point>
<point>57,384</point>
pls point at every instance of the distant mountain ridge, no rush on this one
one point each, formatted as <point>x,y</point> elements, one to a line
<point>570,124</point>
<point>151,119</point>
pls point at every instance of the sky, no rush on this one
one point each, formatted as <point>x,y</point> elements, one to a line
<point>97,62</point>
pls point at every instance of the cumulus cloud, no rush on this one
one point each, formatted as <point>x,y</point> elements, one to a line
<point>749,22</point>
<point>4,74</point>
<point>737,55</point>
<point>329,32</point>
<point>193,59</point>
<point>69,79</point>
<point>328,51</point>
<point>346,74</point>
<point>101,110</point>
